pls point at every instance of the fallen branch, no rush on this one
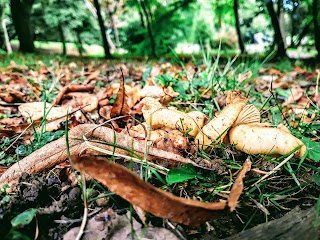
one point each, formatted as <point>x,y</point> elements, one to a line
<point>55,152</point>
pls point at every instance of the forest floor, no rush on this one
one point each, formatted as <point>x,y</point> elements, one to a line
<point>51,115</point>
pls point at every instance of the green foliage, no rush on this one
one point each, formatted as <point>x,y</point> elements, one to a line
<point>24,218</point>
<point>169,25</point>
<point>16,235</point>
<point>72,16</point>
<point>179,86</point>
<point>182,174</point>
<point>43,139</point>
<point>313,149</point>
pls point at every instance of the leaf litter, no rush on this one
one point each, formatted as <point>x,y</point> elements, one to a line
<point>168,138</point>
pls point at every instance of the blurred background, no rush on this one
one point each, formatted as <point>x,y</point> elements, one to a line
<point>154,28</point>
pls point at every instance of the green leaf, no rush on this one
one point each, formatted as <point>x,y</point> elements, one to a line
<point>316,179</point>
<point>182,174</point>
<point>146,74</point>
<point>24,218</point>
<point>182,87</point>
<point>313,149</point>
<point>276,116</point>
<point>16,235</point>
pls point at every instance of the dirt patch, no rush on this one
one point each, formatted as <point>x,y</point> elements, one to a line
<point>54,198</point>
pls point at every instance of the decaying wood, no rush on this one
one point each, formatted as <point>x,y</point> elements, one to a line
<point>131,187</point>
<point>296,225</point>
<point>55,152</point>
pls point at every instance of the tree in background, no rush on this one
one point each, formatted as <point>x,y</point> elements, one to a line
<point>106,46</point>
<point>21,17</point>
<point>144,4</point>
<point>278,39</point>
<point>65,21</point>
<point>315,8</point>
<point>236,16</point>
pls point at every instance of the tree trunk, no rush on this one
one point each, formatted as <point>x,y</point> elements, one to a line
<point>152,42</point>
<point>62,39</point>
<point>6,36</point>
<point>281,20</point>
<point>141,15</point>
<point>21,17</point>
<point>236,16</point>
<point>316,27</point>
<point>303,33</point>
<point>103,30</point>
<point>79,45</point>
<point>114,27</point>
<point>278,40</point>
<point>218,10</point>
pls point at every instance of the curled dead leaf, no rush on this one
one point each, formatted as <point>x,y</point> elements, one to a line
<point>142,194</point>
<point>296,93</point>
<point>72,88</point>
<point>120,106</point>
<point>237,187</point>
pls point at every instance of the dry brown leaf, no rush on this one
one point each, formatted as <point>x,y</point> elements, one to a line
<point>142,194</point>
<point>244,76</point>
<point>11,121</point>
<point>72,88</point>
<point>120,106</point>
<point>295,95</point>
<point>90,103</point>
<point>237,187</point>
<point>35,111</point>
<point>92,76</point>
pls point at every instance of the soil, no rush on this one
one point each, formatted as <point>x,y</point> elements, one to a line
<point>54,198</point>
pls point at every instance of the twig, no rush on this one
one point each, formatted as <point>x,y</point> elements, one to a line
<point>85,211</point>
<point>76,220</point>
<point>275,169</point>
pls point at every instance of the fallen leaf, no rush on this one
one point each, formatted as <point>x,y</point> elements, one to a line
<point>244,76</point>
<point>296,93</point>
<point>92,76</point>
<point>133,189</point>
<point>120,106</point>
<point>72,88</point>
<point>35,111</point>
<point>237,187</point>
